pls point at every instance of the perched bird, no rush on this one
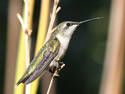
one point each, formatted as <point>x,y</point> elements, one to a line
<point>50,55</point>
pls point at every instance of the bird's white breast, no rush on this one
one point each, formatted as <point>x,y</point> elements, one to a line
<point>64,42</point>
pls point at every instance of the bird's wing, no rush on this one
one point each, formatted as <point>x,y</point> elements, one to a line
<point>47,53</point>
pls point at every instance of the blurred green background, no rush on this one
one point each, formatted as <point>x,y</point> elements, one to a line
<point>85,56</point>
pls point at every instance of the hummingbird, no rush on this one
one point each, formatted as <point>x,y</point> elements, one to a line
<point>50,55</point>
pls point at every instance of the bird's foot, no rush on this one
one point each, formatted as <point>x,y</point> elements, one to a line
<point>57,68</point>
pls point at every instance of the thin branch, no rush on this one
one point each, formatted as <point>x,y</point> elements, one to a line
<point>50,85</point>
<point>27,32</point>
<point>56,73</point>
<point>55,10</point>
<point>27,45</point>
<point>27,42</point>
<point>58,9</point>
<point>21,21</point>
<point>26,13</point>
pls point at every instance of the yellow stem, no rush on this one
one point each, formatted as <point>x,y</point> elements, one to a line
<point>42,29</point>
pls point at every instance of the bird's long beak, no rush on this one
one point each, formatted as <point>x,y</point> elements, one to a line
<point>85,21</point>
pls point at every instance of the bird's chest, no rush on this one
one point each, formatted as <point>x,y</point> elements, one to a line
<point>64,42</point>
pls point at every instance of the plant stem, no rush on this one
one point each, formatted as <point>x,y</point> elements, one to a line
<point>56,73</point>
<point>26,25</point>
<point>28,22</point>
<point>42,29</point>
<point>112,79</point>
<point>53,17</point>
<point>50,85</point>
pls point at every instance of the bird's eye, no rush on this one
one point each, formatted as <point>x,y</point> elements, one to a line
<point>68,24</point>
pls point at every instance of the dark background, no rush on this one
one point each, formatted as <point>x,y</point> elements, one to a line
<point>85,56</point>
